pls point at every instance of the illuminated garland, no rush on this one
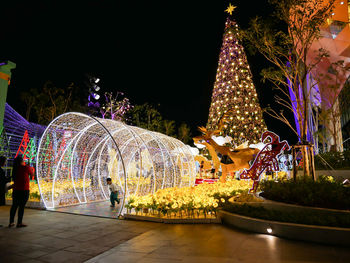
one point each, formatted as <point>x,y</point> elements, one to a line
<point>234,103</point>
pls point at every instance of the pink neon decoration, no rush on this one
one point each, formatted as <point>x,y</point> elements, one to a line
<point>266,160</point>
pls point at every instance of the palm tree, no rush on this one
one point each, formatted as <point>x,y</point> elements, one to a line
<point>169,127</point>
<point>184,133</point>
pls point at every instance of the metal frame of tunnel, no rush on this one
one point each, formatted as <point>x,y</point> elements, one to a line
<point>89,150</point>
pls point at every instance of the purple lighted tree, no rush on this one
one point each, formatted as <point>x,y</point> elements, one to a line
<point>115,107</point>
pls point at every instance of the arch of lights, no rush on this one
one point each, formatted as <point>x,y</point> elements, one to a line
<point>77,153</point>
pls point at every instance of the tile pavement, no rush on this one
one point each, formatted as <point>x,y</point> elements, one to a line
<point>100,209</point>
<point>60,237</point>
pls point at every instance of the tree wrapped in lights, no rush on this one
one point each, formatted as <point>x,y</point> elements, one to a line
<point>235,108</point>
<point>115,107</point>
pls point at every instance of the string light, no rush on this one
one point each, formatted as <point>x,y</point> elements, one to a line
<point>240,96</point>
<point>77,153</point>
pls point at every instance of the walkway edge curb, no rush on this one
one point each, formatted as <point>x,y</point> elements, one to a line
<point>310,233</point>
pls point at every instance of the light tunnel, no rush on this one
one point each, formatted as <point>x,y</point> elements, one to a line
<point>77,153</point>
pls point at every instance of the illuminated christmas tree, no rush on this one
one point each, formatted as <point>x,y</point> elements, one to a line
<point>23,146</point>
<point>235,108</point>
<point>4,144</point>
<point>67,151</point>
<point>47,157</point>
<point>30,152</point>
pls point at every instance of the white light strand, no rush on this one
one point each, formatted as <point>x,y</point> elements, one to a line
<point>139,161</point>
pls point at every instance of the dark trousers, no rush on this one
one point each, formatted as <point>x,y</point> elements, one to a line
<point>19,200</point>
<point>2,195</point>
<point>114,197</point>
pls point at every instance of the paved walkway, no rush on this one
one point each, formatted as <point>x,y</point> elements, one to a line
<point>61,237</point>
<point>101,209</point>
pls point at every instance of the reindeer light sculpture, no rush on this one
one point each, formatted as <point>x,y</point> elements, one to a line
<point>266,160</point>
<point>240,157</point>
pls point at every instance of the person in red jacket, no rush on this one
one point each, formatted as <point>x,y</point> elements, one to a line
<point>20,175</point>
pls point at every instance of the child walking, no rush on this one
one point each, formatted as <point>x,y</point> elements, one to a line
<point>114,192</point>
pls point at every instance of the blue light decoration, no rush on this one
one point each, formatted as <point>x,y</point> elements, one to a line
<point>15,126</point>
<point>285,162</point>
<point>315,100</point>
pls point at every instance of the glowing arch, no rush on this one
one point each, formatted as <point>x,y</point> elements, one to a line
<point>78,152</point>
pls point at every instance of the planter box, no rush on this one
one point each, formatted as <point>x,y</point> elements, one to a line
<point>318,234</point>
<point>173,220</point>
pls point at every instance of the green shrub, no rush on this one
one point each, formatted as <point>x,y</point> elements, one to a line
<point>305,191</point>
<point>305,217</point>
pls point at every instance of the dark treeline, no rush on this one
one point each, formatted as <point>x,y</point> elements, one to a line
<point>43,104</point>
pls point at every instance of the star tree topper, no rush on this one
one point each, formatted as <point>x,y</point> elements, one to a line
<point>230,9</point>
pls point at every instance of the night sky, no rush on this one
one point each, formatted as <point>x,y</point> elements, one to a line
<point>162,52</point>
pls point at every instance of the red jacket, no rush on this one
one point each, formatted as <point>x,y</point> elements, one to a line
<point>22,177</point>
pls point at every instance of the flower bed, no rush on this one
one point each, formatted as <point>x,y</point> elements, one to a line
<point>34,193</point>
<point>187,202</point>
<point>325,192</point>
<point>46,188</point>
